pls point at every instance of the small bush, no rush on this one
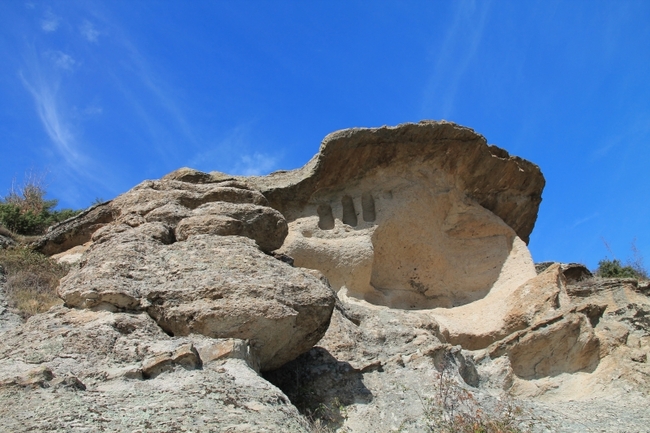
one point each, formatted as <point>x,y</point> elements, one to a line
<point>31,280</point>
<point>25,211</point>
<point>634,267</point>
<point>614,269</point>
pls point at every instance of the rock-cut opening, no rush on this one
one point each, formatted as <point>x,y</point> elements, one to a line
<point>425,248</point>
<point>436,251</point>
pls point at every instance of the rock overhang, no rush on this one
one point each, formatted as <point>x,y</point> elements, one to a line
<point>508,186</point>
<point>416,216</point>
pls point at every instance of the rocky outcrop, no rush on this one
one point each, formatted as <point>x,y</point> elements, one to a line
<point>192,257</point>
<point>437,152</point>
<point>210,285</point>
<point>76,230</point>
<point>187,292</point>
<point>573,272</point>
<point>80,370</point>
<point>173,306</point>
<point>8,318</point>
<point>416,216</point>
<point>6,241</point>
<point>377,367</point>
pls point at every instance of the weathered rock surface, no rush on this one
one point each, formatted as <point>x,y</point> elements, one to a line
<point>191,256</point>
<point>80,370</point>
<point>416,216</point>
<point>215,286</point>
<point>76,230</point>
<point>573,272</point>
<point>508,186</point>
<point>5,241</point>
<point>8,318</point>
<point>183,290</point>
<point>169,202</point>
<point>376,367</point>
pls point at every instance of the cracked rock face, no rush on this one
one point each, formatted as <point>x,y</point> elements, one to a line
<point>193,258</point>
<point>215,286</point>
<point>79,370</point>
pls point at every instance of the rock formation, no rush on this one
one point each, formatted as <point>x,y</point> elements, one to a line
<point>400,252</point>
<point>418,216</point>
<point>194,258</point>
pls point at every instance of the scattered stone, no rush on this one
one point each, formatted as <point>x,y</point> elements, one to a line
<point>6,242</point>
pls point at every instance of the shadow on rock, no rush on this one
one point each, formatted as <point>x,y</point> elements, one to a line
<point>320,386</point>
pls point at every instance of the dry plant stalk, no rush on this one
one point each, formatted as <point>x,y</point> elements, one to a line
<point>454,409</point>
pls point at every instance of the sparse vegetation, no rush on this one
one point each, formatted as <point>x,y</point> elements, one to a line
<point>25,211</point>
<point>31,280</point>
<point>614,269</point>
<point>634,267</point>
<point>454,409</point>
<point>325,418</point>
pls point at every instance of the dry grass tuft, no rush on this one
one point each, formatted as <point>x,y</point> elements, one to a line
<point>31,280</point>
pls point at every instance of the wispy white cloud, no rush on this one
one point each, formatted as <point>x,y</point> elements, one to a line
<point>61,60</point>
<point>92,110</point>
<point>43,79</point>
<point>159,90</point>
<point>633,135</point>
<point>454,56</point>
<point>151,97</point>
<point>234,154</point>
<point>50,22</point>
<point>89,31</point>
<point>221,154</point>
<point>581,221</point>
<point>255,164</point>
<point>45,97</point>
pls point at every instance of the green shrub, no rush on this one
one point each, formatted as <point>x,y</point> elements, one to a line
<point>25,211</point>
<point>614,269</point>
<point>634,267</point>
<point>31,280</point>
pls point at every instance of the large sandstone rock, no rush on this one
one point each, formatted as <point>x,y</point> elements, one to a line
<point>415,216</point>
<point>170,201</point>
<point>76,230</point>
<point>210,285</point>
<point>377,367</point>
<point>192,257</point>
<point>504,311</point>
<point>508,186</point>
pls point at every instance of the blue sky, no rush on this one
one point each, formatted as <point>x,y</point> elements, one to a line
<point>102,95</point>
